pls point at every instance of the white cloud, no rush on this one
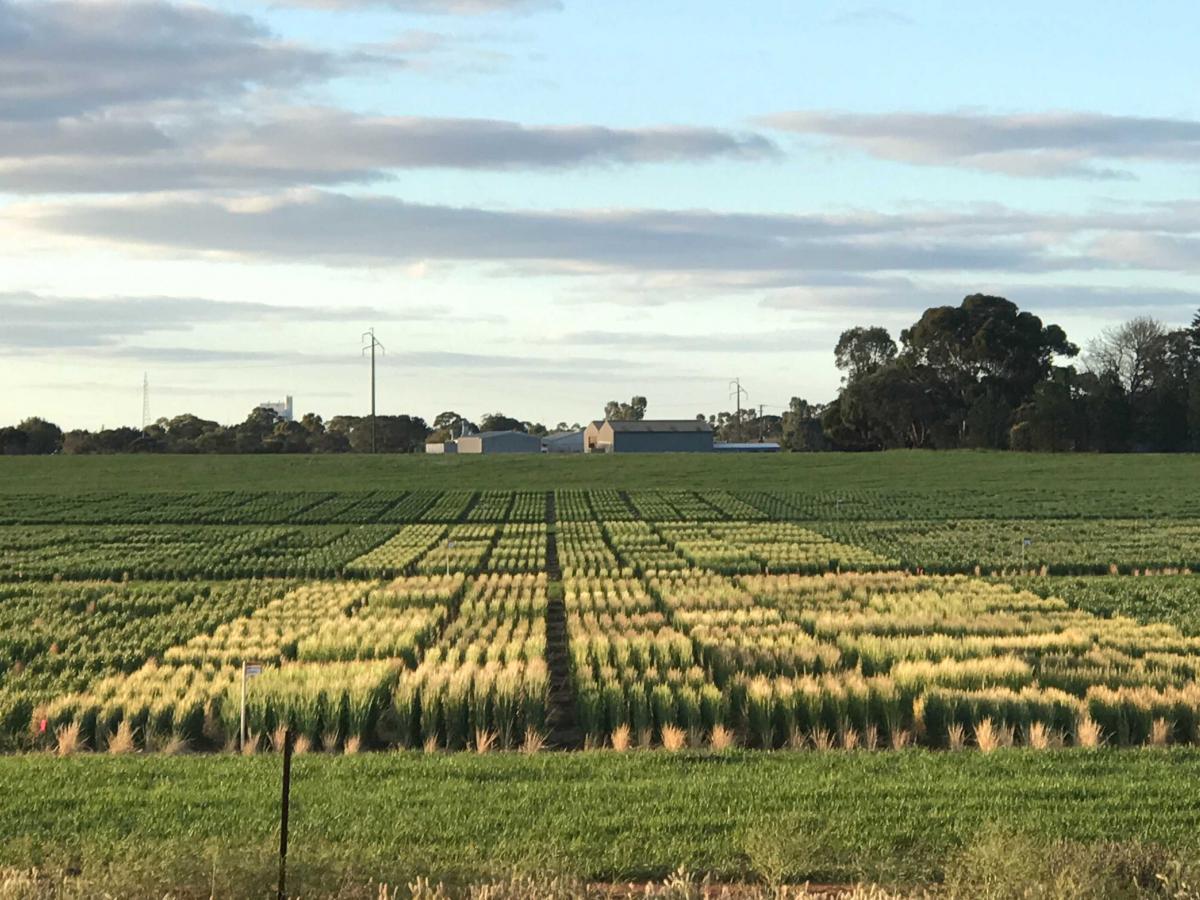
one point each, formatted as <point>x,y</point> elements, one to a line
<point>1043,145</point>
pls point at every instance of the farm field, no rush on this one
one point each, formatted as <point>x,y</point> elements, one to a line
<point>420,638</point>
<point>153,823</point>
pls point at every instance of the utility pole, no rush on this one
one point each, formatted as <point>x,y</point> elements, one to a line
<point>371,345</point>
<point>145,400</point>
<point>736,390</point>
<point>761,426</point>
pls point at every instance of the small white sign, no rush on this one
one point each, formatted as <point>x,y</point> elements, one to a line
<point>253,669</point>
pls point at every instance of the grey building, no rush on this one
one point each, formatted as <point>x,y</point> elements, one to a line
<point>500,442</point>
<point>563,442</point>
<point>649,436</point>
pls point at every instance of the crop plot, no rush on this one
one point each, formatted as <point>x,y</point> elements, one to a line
<point>59,638</point>
<point>691,618</point>
<point>1077,546</point>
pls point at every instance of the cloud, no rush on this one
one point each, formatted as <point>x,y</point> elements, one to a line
<point>71,57</point>
<point>34,321</point>
<point>326,139</point>
<point>337,229</point>
<point>438,7</point>
<point>1045,145</point>
<point>908,297</point>
<point>784,341</point>
<point>324,146</point>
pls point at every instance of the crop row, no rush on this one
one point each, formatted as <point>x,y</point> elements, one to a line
<point>831,503</point>
<point>175,552</point>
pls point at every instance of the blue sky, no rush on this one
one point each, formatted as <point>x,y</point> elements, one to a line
<point>543,206</point>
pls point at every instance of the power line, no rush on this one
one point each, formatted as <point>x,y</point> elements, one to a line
<point>374,342</point>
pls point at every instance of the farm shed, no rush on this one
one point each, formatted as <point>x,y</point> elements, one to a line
<point>563,442</point>
<point>500,442</point>
<point>649,436</point>
<point>441,447</point>
<point>591,435</point>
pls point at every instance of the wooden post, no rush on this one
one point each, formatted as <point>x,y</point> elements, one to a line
<point>283,813</point>
<point>242,725</point>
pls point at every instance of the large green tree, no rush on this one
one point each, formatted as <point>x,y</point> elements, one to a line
<point>862,351</point>
<point>633,411</point>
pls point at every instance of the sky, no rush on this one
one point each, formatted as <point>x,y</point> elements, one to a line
<point>541,206</point>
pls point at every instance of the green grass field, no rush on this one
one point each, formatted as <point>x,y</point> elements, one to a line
<point>889,817</point>
<point>952,473</point>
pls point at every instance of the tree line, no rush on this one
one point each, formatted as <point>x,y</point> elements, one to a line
<point>981,374</point>
<point>985,374</point>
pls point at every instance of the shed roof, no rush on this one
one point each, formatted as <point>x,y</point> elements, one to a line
<point>663,426</point>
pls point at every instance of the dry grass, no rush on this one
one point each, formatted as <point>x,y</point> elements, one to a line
<point>821,739</point>
<point>673,738</point>
<point>956,735</point>
<point>986,736</point>
<point>622,738</point>
<point>918,715</point>
<point>900,738</point>
<point>796,739</point>
<point>850,739</point>
<point>430,745</point>
<point>1160,733</point>
<point>68,739</point>
<point>124,740</point>
<point>1088,733</point>
<point>353,745</point>
<point>176,745</point>
<point>279,738</point>
<point>534,742</point>
<point>250,746</point>
<point>485,740</point>
<point>329,742</point>
<point>722,739</point>
<point>302,744</point>
<point>871,737</point>
<point>1037,736</point>
<point>645,738</point>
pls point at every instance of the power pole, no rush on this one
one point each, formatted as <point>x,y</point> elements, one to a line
<point>371,345</point>
<point>145,400</point>
<point>761,425</point>
<point>736,390</point>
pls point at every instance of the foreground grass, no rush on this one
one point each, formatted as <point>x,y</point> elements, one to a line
<point>977,474</point>
<point>890,817</point>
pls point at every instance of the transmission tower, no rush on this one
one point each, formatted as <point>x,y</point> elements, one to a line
<point>371,342</point>
<point>145,400</point>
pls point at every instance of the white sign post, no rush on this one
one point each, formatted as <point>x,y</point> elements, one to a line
<point>249,670</point>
